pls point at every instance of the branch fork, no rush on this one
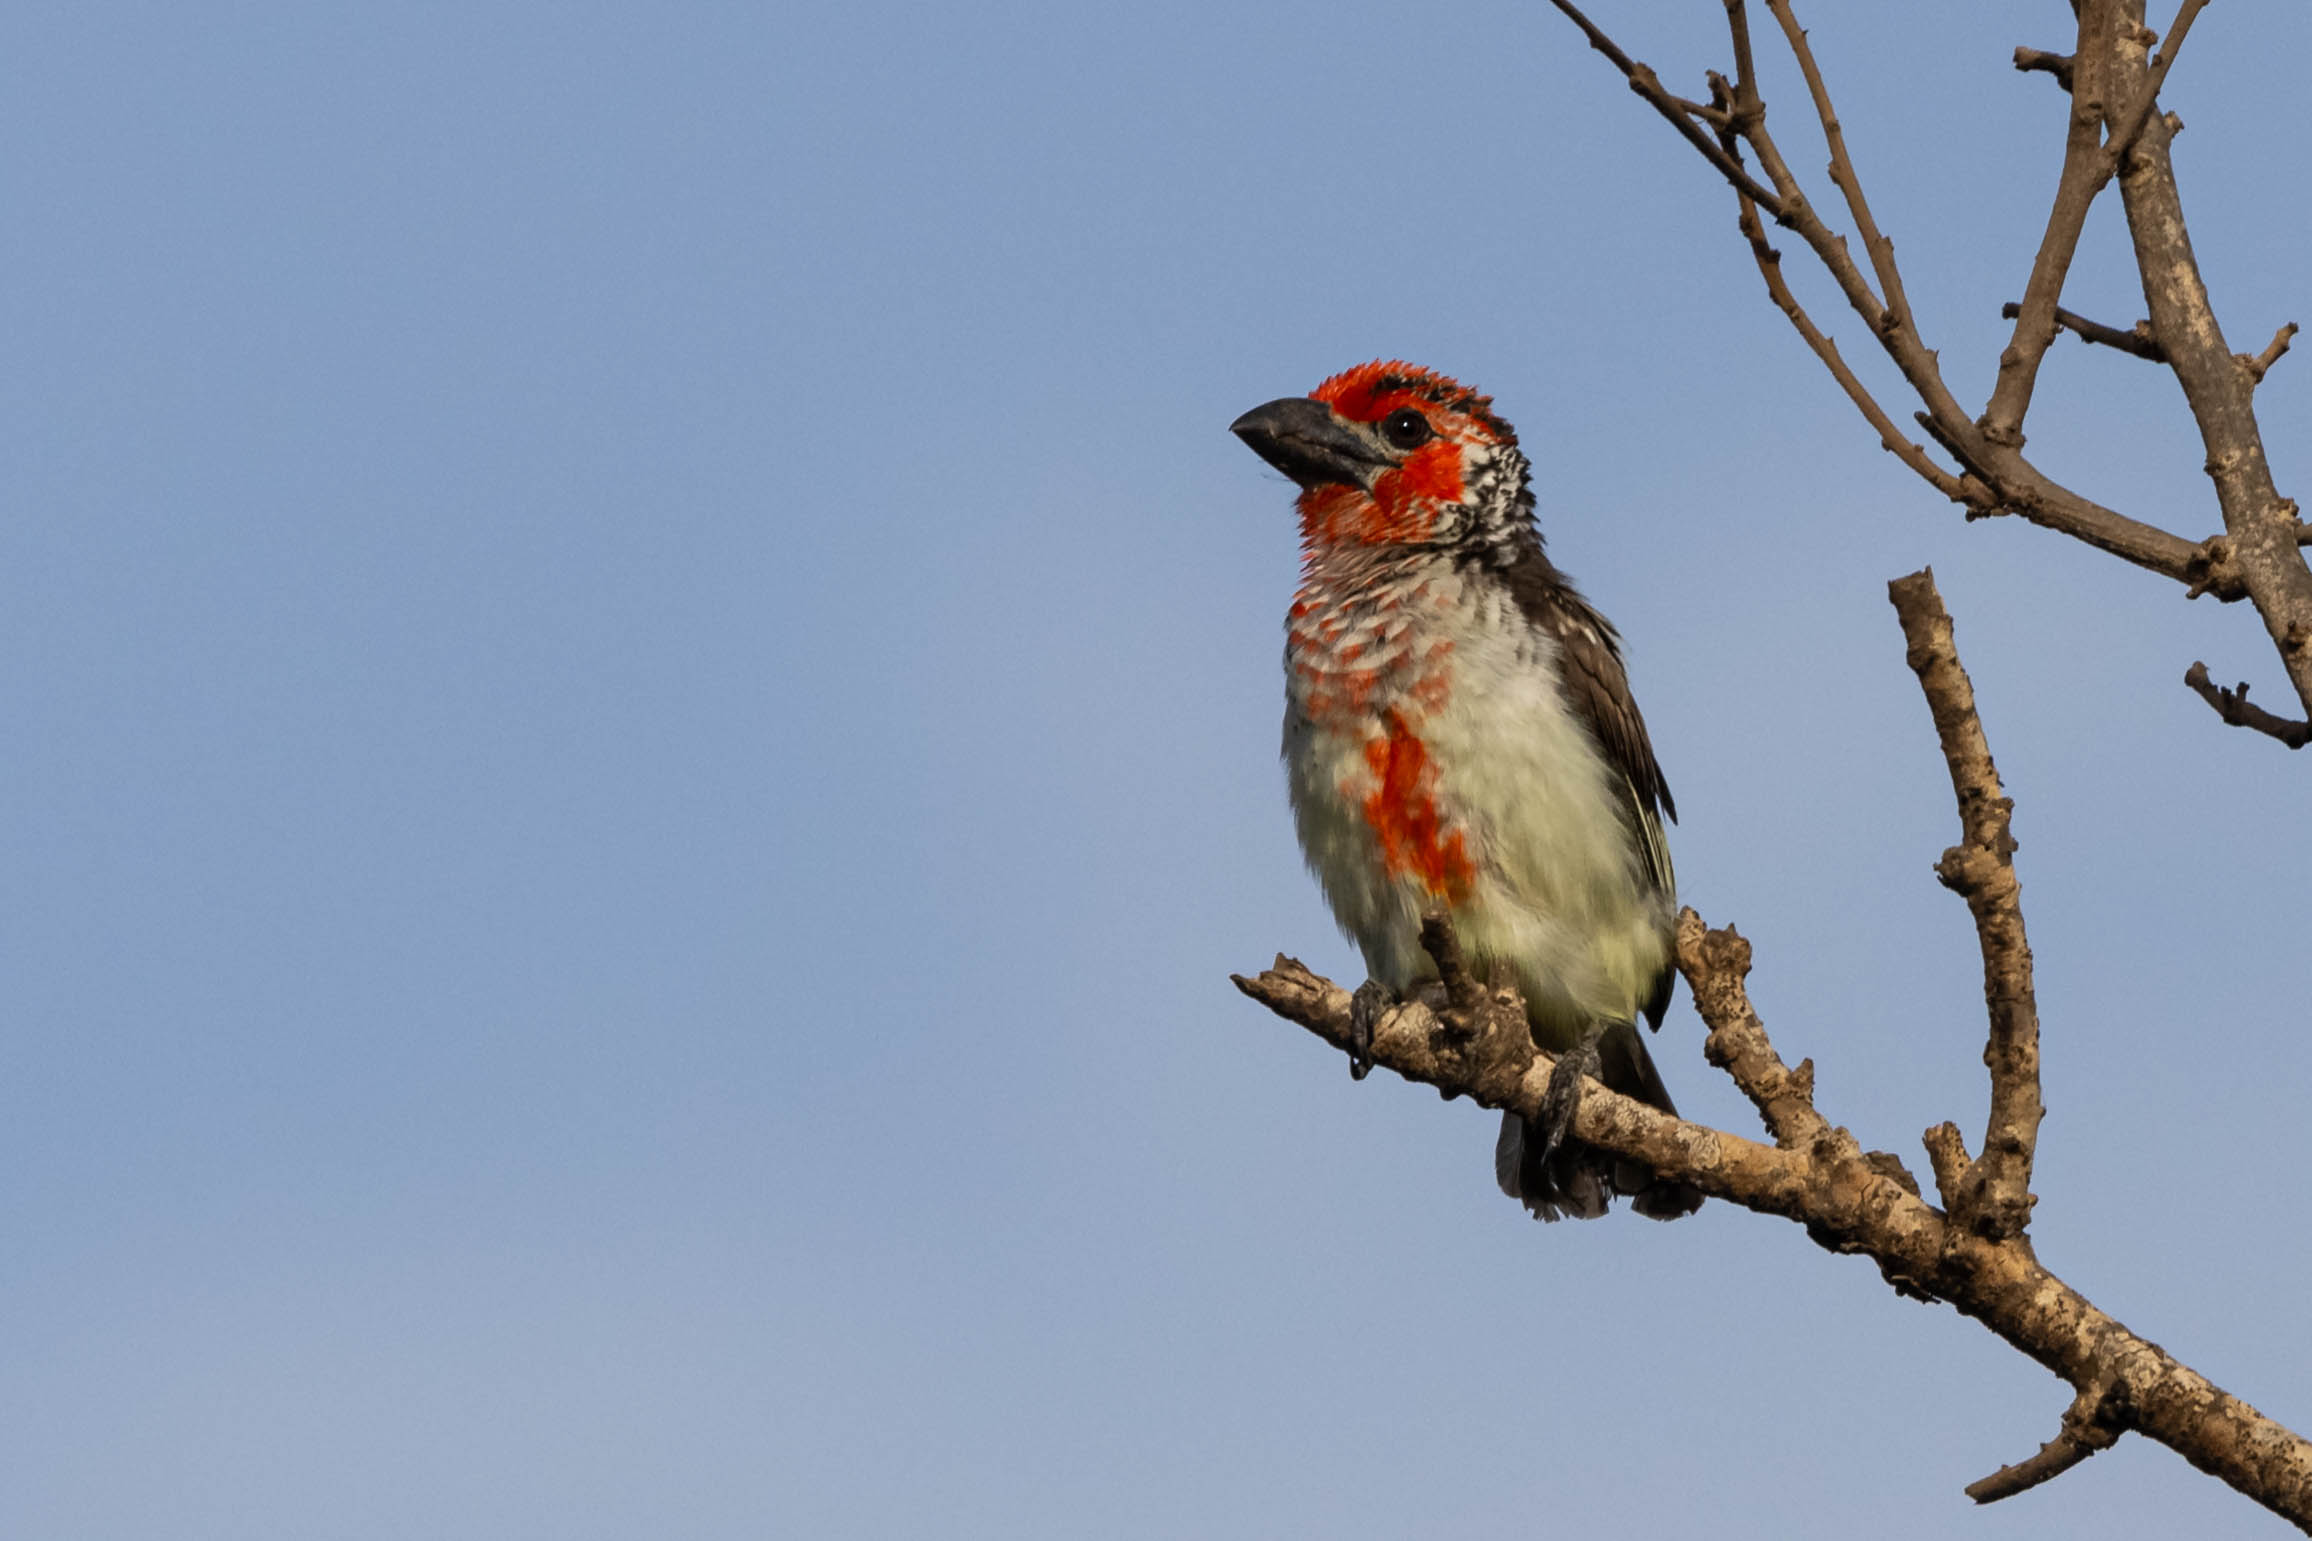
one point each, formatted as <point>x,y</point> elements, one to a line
<point>2114,132</point>
<point>2093,1422</point>
<point>2234,707</point>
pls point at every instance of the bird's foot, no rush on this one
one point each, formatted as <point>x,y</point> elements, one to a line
<point>1373,1001</point>
<point>1446,1024</point>
<point>1448,1028</point>
<point>1561,1099</point>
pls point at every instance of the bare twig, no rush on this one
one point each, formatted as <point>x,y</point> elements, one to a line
<point>1995,478</point>
<point>2137,339</point>
<point>1960,489</point>
<point>1745,67</point>
<point>2261,364</point>
<point>1791,204</point>
<point>2125,128</point>
<point>2058,65</point>
<point>2085,173</point>
<point>1881,250</point>
<point>1719,961</point>
<point>1994,1198</point>
<point>2235,708</point>
<point>1947,1158</point>
<point>2089,1424</point>
<point>1702,110</point>
<point>1643,80</point>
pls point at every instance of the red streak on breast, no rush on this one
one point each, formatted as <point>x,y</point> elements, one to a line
<point>1402,811</point>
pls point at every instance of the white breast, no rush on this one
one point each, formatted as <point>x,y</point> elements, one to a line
<point>1552,883</point>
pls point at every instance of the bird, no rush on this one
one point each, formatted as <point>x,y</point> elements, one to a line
<point>1460,737</point>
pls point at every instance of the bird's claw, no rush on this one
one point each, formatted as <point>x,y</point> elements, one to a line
<point>1366,1008</point>
<point>1561,1098</point>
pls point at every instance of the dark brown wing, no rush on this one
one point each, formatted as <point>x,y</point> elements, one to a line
<point>1590,652</point>
<point>1589,655</point>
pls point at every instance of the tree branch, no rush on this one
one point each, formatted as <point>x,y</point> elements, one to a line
<point>2259,523</point>
<point>1880,249</point>
<point>2234,707</point>
<point>1647,84</point>
<point>1817,1174</point>
<point>1719,961</point>
<point>1994,1198</point>
<point>1846,1200</point>
<point>2058,65</point>
<point>2089,1425</point>
<point>1996,478</point>
<point>2086,171</point>
<point>2137,339</point>
<point>2261,364</point>
<point>1960,489</point>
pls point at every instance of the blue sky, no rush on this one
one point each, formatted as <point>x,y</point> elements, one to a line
<point>643,695</point>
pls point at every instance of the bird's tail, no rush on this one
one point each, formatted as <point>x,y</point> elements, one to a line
<point>1582,1180</point>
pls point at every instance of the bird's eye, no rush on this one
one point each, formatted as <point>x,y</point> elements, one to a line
<point>1406,429</point>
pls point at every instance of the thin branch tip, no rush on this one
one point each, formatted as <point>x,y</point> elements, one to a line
<point>1647,84</point>
<point>2055,64</point>
<point>2260,364</point>
<point>2234,707</point>
<point>2092,1423</point>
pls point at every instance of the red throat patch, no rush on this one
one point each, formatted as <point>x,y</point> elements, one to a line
<point>1402,811</point>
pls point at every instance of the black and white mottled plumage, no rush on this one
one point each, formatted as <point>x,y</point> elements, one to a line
<point>1460,735</point>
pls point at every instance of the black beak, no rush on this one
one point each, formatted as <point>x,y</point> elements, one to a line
<point>1303,439</point>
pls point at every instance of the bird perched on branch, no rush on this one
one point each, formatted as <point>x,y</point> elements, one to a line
<point>1459,737</point>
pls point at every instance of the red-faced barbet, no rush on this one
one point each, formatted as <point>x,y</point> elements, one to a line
<point>1459,737</point>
